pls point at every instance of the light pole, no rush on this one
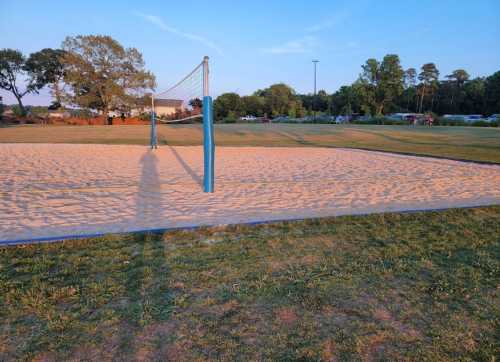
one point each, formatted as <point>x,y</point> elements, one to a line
<point>315,62</point>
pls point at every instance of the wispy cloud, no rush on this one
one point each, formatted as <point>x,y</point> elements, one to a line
<point>158,22</point>
<point>297,46</point>
<point>328,23</point>
<point>309,41</point>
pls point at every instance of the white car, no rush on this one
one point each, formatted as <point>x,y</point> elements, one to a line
<point>248,118</point>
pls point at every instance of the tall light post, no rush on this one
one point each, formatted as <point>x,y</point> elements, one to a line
<point>315,62</point>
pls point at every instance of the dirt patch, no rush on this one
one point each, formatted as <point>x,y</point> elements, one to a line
<point>328,351</point>
<point>287,316</point>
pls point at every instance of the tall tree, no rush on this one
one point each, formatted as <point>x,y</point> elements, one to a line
<point>459,76</point>
<point>428,77</point>
<point>492,94</point>
<point>382,82</point>
<point>457,79</point>
<point>102,74</point>
<point>410,81</point>
<point>13,67</point>
<point>45,67</point>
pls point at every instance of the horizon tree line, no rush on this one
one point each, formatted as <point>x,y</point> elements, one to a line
<point>382,87</point>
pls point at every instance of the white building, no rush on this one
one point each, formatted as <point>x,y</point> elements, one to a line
<point>166,107</point>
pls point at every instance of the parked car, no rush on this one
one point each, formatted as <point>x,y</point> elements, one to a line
<point>493,118</point>
<point>473,118</point>
<point>342,119</point>
<point>455,117</point>
<point>248,118</point>
<point>281,119</point>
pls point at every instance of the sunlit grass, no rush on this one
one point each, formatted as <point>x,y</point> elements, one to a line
<point>419,286</point>
<point>469,143</point>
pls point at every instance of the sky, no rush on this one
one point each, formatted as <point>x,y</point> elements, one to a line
<point>253,44</point>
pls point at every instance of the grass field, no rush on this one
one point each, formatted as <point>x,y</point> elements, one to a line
<point>468,143</point>
<point>418,286</point>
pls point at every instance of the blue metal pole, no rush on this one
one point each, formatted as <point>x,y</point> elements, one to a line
<point>208,145</point>
<point>154,143</point>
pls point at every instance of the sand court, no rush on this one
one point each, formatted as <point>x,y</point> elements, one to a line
<point>58,190</point>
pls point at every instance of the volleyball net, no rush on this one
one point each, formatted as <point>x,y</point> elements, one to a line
<point>188,101</point>
<point>182,101</point>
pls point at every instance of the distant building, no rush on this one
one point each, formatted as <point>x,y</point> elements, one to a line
<point>166,107</point>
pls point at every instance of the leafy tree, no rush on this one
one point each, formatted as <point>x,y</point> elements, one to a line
<point>410,77</point>
<point>382,83</point>
<point>12,67</point>
<point>228,104</point>
<point>473,101</point>
<point>320,102</point>
<point>196,103</point>
<point>45,67</point>
<point>458,76</point>
<point>296,109</point>
<point>457,80</point>
<point>391,81</point>
<point>102,74</point>
<point>347,100</point>
<point>279,99</point>
<point>429,80</point>
<point>492,94</point>
<point>410,81</point>
<point>254,105</point>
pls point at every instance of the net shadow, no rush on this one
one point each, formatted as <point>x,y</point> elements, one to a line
<point>194,176</point>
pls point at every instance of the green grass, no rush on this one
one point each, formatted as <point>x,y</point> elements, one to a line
<point>418,286</point>
<point>468,143</point>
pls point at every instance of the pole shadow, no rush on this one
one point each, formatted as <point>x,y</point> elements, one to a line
<point>149,193</point>
<point>196,178</point>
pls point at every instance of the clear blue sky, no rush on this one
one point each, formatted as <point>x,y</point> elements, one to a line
<point>253,44</point>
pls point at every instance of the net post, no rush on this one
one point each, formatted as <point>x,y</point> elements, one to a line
<point>153,141</point>
<point>208,133</point>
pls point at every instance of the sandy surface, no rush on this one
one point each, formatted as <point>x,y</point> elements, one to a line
<point>59,190</point>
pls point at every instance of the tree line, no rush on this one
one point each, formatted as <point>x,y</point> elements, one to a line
<point>96,72</point>
<point>382,87</point>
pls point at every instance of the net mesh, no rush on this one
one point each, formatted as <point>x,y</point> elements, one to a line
<point>183,101</point>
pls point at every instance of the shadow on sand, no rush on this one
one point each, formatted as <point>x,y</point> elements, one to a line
<point>149,193</point>
<point>186,167</point>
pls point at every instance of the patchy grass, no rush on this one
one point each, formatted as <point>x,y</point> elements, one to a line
<point>419,286</point>
<point>468,143</point>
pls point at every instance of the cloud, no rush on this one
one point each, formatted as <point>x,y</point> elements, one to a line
<point>328,23</point>
<point>158,22</point>
<point>297,46</point>
<point>309,41</point>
